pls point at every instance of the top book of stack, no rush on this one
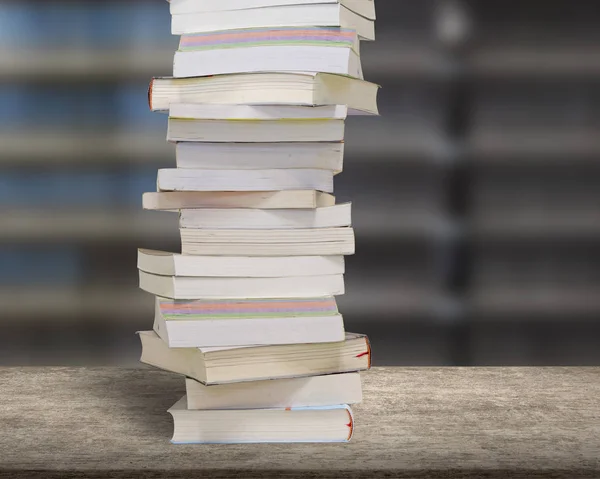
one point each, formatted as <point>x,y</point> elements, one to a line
<point>196,16</point>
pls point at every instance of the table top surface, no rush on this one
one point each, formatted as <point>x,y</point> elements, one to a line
<point>414,422</point>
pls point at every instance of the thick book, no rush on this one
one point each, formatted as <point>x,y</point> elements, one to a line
<point>293,199</point>
<point>283,425</point>
<point>189,324</point>
<point>212,218</point>
<point>240,364</point>
<point>183,287</point>
<point>178,179</point>
<point>256,50</point>
<point>311,391</point>
<point>173,264</point>
<point>316,15</point>
<point>255,124</point>
<point>260,156</point>
<point>257,131</point>
<point>280,242</point>
<point>307,89</point>
<point>365,8</point>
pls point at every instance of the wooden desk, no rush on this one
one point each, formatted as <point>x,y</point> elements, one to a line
<point>423,423</point>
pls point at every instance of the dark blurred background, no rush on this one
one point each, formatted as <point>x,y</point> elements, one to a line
<point>476,194</point>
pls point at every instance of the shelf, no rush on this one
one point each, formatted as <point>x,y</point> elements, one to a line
<point>551,302</point>
<point>498,145</point>
<point>135,147</point>
<point>70,304</point>
<point>83,148</point>
<point>392,58</point>
<point>533,226</point>
<point>51,225</point>
<point>390,223</point>
<point>48,225</point>
<point>63,65</point>
<point>73,304</point>
<point>397,302</point>
<point>539,62</point>
<point>83,65</point>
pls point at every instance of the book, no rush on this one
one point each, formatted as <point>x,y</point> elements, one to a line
<point>220,365</point>
<point>318,424</point>
<point>255,50</point>
<point>183,287</point>
<point>260,156</point>
<point>307,89</point>
<point>208,218</point>
<point>173,264</point>
<point>262,37</point>
<point>175,179</point>
<point>255,124</point>
<point>213,111</point>
<point>281,242</point>
<point>344,388</point>
<point>258,131</point>
<point>292,199</point>
<point>315,15</point>
<point>176,309</point>
<point>188,324</point>
<point>365,8</point>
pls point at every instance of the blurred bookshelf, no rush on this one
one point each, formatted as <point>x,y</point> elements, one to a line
<point>476,204</point>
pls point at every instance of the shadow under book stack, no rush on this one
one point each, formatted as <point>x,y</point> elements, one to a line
<point>257,106</point>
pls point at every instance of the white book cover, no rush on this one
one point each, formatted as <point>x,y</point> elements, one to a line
<point>328,217</point>
<point>365,8</point>
<point>244,180</point>
<point>223,61</point>
<point>318,15</point>
<point>260,156</point>
<point>175,264</point>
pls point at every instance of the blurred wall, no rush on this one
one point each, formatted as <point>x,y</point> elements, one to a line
<point>476,194</point>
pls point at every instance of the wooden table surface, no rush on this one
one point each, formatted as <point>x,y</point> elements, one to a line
<point>417,422</point>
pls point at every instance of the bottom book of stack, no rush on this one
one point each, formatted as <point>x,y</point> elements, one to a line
<point>271,393</point>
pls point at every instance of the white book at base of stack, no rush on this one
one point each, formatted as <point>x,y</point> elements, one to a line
<point>315,424</point>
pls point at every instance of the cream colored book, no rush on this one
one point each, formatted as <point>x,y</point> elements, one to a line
<point>308,89</point>
<point>239,364</point>
<point>280,242</point>
<point>268,200</point>
<point>278,393</point>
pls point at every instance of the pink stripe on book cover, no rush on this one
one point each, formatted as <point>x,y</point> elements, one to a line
<point>327,36</point>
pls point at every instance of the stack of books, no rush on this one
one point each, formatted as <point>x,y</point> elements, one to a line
<point>247,311</point>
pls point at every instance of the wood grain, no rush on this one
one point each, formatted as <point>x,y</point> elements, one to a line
<point>419,422</point>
